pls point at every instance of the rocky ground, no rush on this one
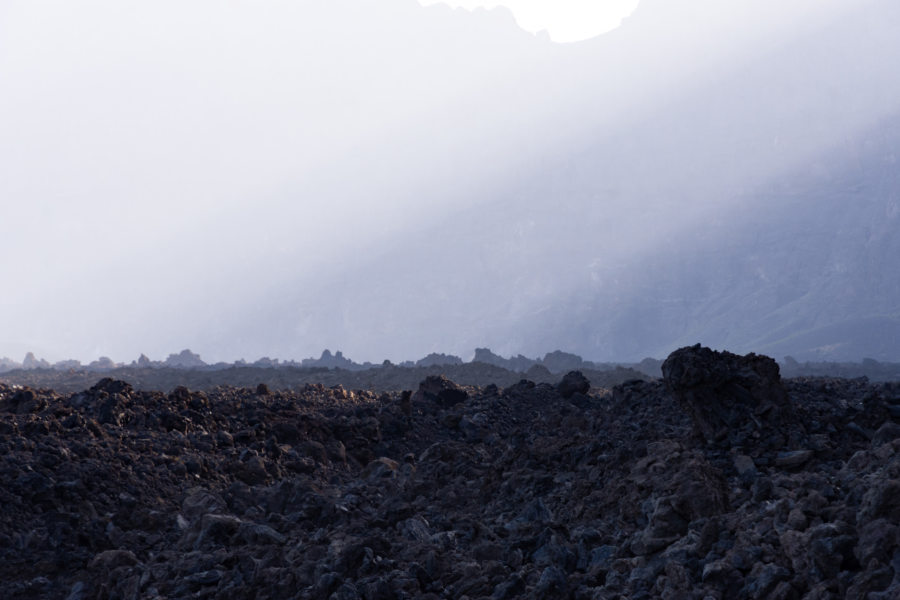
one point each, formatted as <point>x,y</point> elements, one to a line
<point>719,481</point>
<point>377,379</point>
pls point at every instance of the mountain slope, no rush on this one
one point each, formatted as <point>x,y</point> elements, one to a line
<point>754,210</point>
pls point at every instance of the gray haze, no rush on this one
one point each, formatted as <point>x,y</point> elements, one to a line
<point>250,179</point>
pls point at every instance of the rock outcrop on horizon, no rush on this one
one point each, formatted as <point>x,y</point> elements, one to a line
<point>435,360</point>
<point>30,362</point>
<point>184,360</point>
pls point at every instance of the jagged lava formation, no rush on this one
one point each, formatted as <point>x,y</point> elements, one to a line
<point>719,481</point>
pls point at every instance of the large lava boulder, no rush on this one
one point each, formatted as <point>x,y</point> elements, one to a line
<point>573,383</point>
<point>440,391</point>
<point>732,398</point>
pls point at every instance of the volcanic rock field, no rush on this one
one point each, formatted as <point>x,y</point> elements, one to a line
<point>720,480</point>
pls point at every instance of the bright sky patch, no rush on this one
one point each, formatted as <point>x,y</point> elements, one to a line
<point>563,20</point>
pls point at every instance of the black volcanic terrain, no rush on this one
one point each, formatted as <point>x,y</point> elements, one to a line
<point>720,480</point>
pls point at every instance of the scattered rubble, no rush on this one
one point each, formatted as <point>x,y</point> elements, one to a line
<point>722,481</point>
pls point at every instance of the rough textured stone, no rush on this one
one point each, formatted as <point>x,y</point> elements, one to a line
<point>573,383</point>
<point>729,397</point>
<point>496,492</point>
<point>441,391</point>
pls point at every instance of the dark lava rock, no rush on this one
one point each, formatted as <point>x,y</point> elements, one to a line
<point>506,491</point>
<point>738,398</point>
<point>441,391</point>
<point>573,383</point>
<point>112,386</point>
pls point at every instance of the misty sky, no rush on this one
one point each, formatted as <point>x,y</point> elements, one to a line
<point>273,178</point>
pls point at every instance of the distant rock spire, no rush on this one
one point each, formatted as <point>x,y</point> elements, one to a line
<point>30,362</point>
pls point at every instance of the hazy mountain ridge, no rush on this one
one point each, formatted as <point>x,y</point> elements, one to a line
<point>441,181</point>
<point>556,362</point>
<point>755,211</point>
<point>808,267</point>
<point>772,261</point>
